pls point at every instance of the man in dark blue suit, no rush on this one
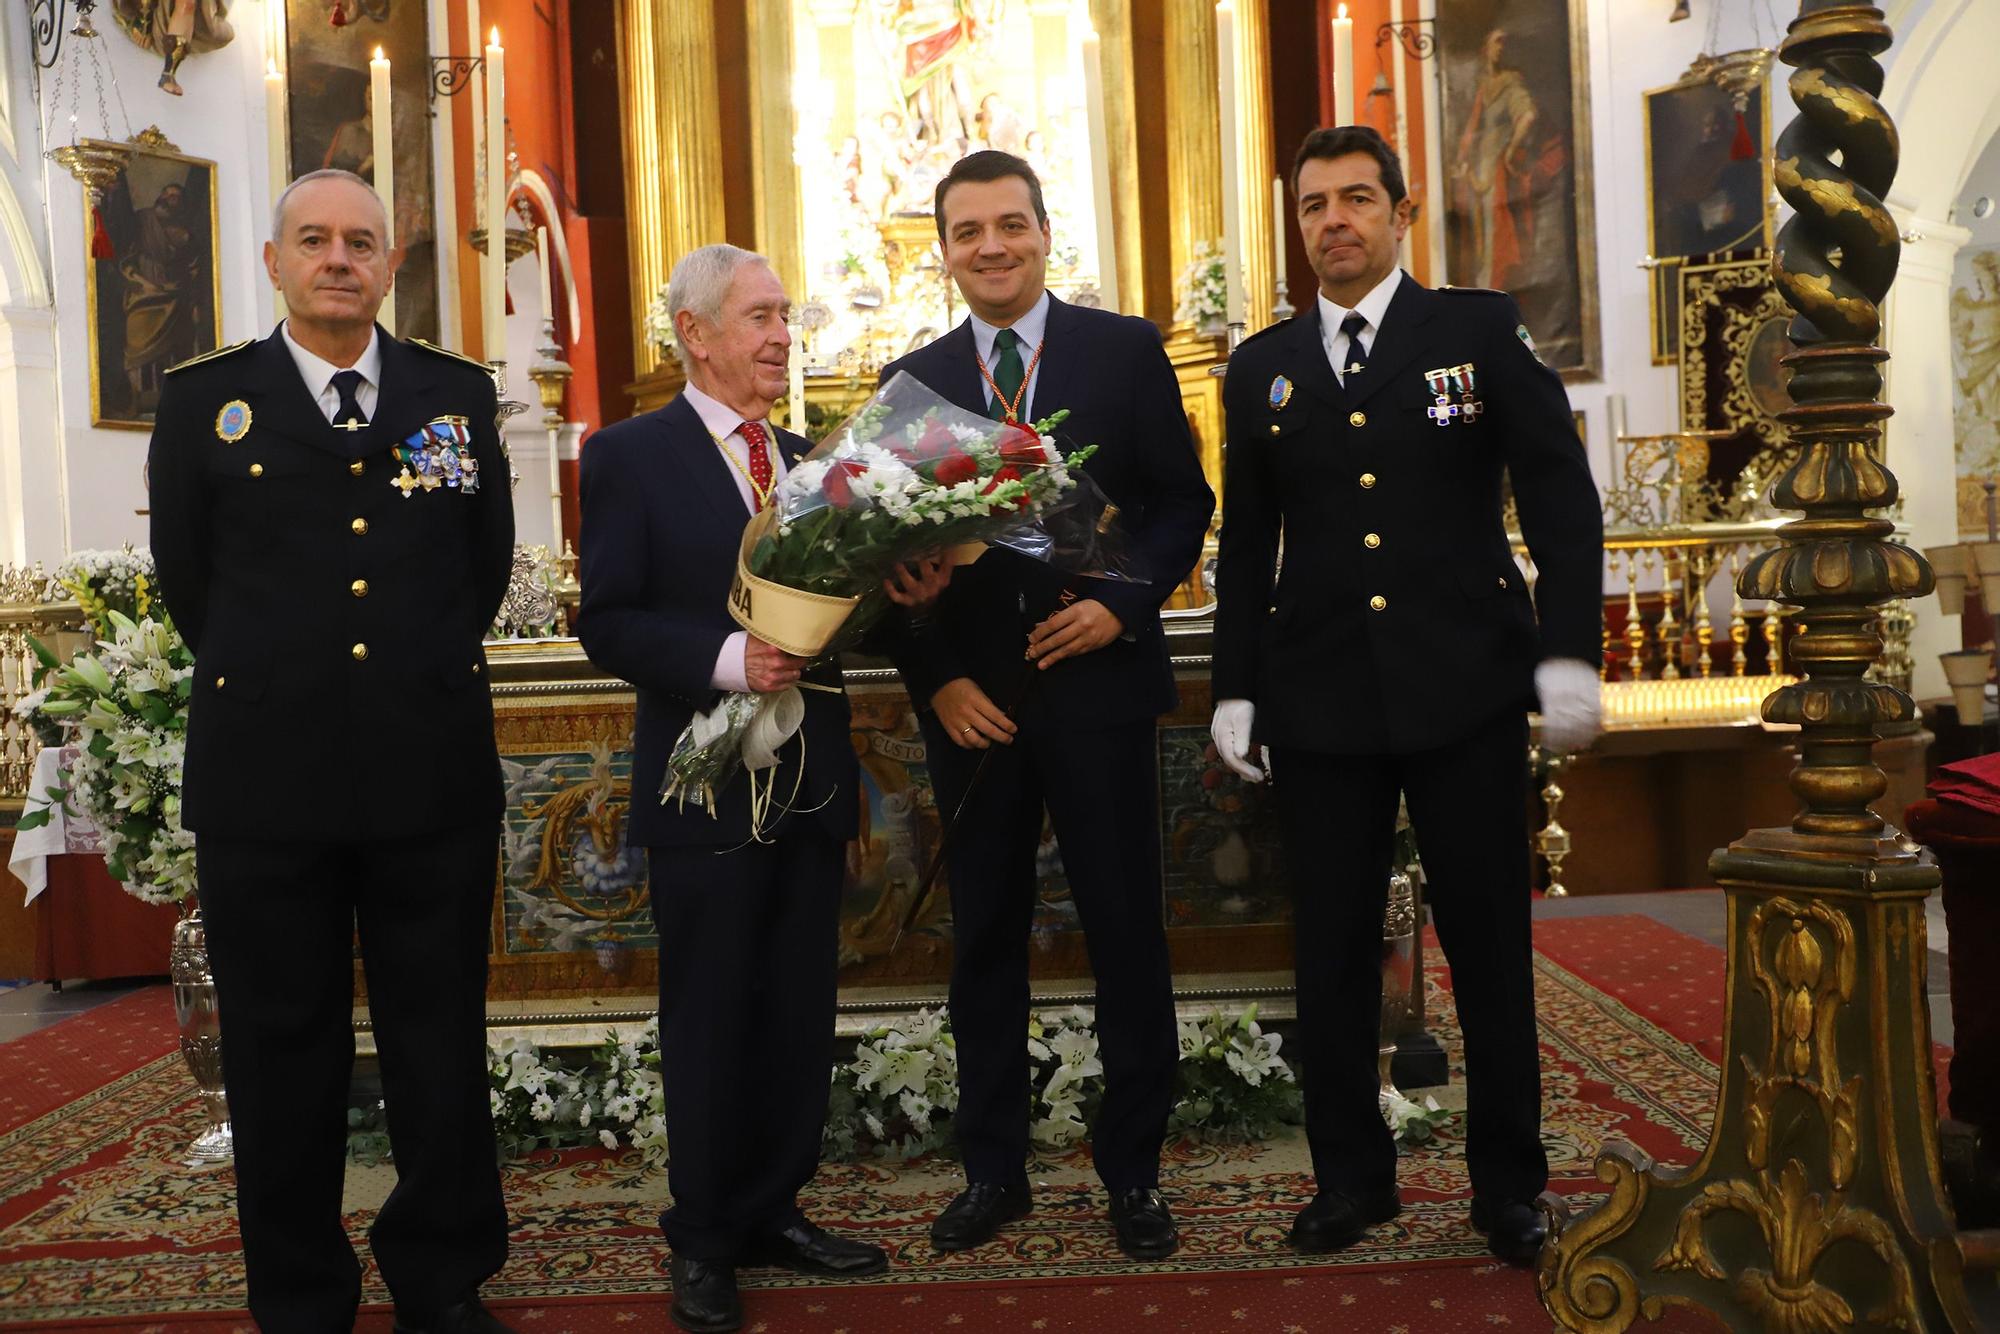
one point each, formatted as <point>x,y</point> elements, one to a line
<point>747,926</point>
<point>1054,682</point>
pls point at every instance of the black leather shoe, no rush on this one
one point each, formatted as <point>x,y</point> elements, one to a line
<point>1145,1227</point>
<point>705,1298</point>
<point>1515,1229</point>
<point>811,1249</point>
<point>1336,1220</point>
<point>979,1211</point>
<point>461,1317</point>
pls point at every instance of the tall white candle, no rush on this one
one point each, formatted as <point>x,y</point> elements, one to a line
<point>1343,68</point>
<point>1434,188</point>
<point>1232,227</point>
<point>542,268</point>
<point>275,155</point>
<point>478,105</point>
<point>797,370</point>
<point>1402,67</point>
<point>1281,225</point>
<point>1100,170</point>
<point>444,186</point>
<point>381,112</point>
<point>493,290</point>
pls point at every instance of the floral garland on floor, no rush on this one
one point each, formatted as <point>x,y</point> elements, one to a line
<point>894,1099</point>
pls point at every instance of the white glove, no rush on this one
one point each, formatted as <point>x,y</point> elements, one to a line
<point>1231,730</point>
<point>1569,691</point>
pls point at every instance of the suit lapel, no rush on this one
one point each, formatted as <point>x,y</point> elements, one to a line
<point>403,401</point>
<point>961,381</point>
<point>689,441</point>
<point>1061,350</point>
<point>1399,340</point>
<point>280,401</point>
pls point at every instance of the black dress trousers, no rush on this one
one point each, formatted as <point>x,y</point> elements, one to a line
<point>748,939</point>
<point>1101,789</point>
<point>280,918</point>
<point>1467,804</point>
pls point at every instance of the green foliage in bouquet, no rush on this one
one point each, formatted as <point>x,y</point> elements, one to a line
<point>126,705</point>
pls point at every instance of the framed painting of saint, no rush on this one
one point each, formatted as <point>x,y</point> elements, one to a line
<point>331,126</point>
<point>151,285</point>
<point>1514,99</point>
<point>1708,172</point>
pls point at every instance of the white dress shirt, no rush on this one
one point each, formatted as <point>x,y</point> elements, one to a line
<point>1030,329</point>
<point>1371,308</point>
<point>318,374</point>
<point>725,428</point>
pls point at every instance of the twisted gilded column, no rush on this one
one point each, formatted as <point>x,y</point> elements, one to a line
<point>1818,1204</point>
<point>673,148</point>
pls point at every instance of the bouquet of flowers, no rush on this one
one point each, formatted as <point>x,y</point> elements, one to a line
<point>106,581</point>
<point>908,474</point>
<point>1203,286</point>
<point>127,704</point>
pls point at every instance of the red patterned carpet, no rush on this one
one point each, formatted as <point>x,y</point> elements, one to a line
<point>102,1225</point>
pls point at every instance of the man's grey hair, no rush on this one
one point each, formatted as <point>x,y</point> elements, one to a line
<point>323,174</point>
<point>700,283</point>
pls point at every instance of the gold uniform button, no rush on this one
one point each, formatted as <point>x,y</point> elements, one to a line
<point>1378,603</point>
<point>1367,480</point>
<point>1503,582</point>
<point>256,470</point>
<point>1372,541</point>
<point>1274,428</point>
<point>475,669</point>
<point>360,527</point>
<point>360,588</point>
<point>1357,419</point>
<point>357,467</point>
<point>219,681</point>
<point>360,652</point>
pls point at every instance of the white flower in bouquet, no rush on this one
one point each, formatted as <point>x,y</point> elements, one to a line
<point>1076,1048</point>
<point>1253,1055</point>
<point>892,1069</point>
<point>1203,286</point>
<point>660,322</point>
<point>607,1139</point>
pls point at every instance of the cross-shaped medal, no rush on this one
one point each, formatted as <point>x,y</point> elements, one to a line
<point>1443,411</point>
<point>468,471</point>
<point>406,483</point>
<point>1471,408</point>
<point>351,425</point>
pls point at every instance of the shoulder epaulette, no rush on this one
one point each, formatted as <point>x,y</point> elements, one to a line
<point>433,348</point>
<point>216,355</point>
<point>1264,332</point>
<point>1471,291</point>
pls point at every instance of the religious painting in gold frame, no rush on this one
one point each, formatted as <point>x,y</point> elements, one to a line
<point>1733,324</point>
<point>155,300</point>
<point>1514,86</point>
<point>1708,186</point>
<point>326,83</point>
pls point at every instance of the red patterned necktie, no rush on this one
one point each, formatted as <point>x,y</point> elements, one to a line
<point>760,463</point>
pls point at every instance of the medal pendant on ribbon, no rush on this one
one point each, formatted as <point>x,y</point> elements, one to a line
<point>404,482</point>
<point>1467,380</point>
<point>233,422</point>
<point>1443,410</point>
<point>1281,392</point>
<point>468,472</point>
<point>430,480</point>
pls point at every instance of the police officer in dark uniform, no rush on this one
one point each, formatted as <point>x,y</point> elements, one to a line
<point>1400,653</point>
<point>333,534</point>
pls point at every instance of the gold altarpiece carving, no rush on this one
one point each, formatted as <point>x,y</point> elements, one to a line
<point>803,175</point>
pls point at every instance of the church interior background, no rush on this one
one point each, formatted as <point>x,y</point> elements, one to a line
<point>1634,219</point>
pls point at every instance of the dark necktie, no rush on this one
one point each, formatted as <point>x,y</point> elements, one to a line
<point>1006,372</point>
<point>346,384</point>
<point>1357,356</point>
<point>760,463</point>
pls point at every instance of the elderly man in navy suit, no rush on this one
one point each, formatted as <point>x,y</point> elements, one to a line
<point>1081,743</point>
<point>747,928</point>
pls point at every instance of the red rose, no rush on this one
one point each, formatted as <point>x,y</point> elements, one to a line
<point>1211,779</point>
<point>837,485</point>
<point>956,467</point>
<point>1020,445</point>
<point>935,442</point>
<point>1006,474</point>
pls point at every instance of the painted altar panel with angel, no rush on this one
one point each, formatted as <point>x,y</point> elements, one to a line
<point>887,95</point>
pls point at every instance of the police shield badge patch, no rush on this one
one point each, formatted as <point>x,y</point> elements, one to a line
<point>233,422</point>
<point>1281,392</point>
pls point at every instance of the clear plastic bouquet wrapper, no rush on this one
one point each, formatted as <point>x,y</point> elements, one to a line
<point>908,474</point>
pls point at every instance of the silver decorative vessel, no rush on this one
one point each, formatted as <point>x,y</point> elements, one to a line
<point>1399,960</point>
<point>201,1033</point>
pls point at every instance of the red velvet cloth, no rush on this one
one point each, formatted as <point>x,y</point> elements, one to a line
<point>87,927</point>
<point>1966,840</point>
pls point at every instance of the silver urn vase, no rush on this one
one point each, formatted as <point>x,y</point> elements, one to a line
<point>1399,957</point>
<point>201,1033</point>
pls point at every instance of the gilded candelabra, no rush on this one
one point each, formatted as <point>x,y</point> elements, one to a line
<point>1818,1204</point>
<point>551,375</point>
